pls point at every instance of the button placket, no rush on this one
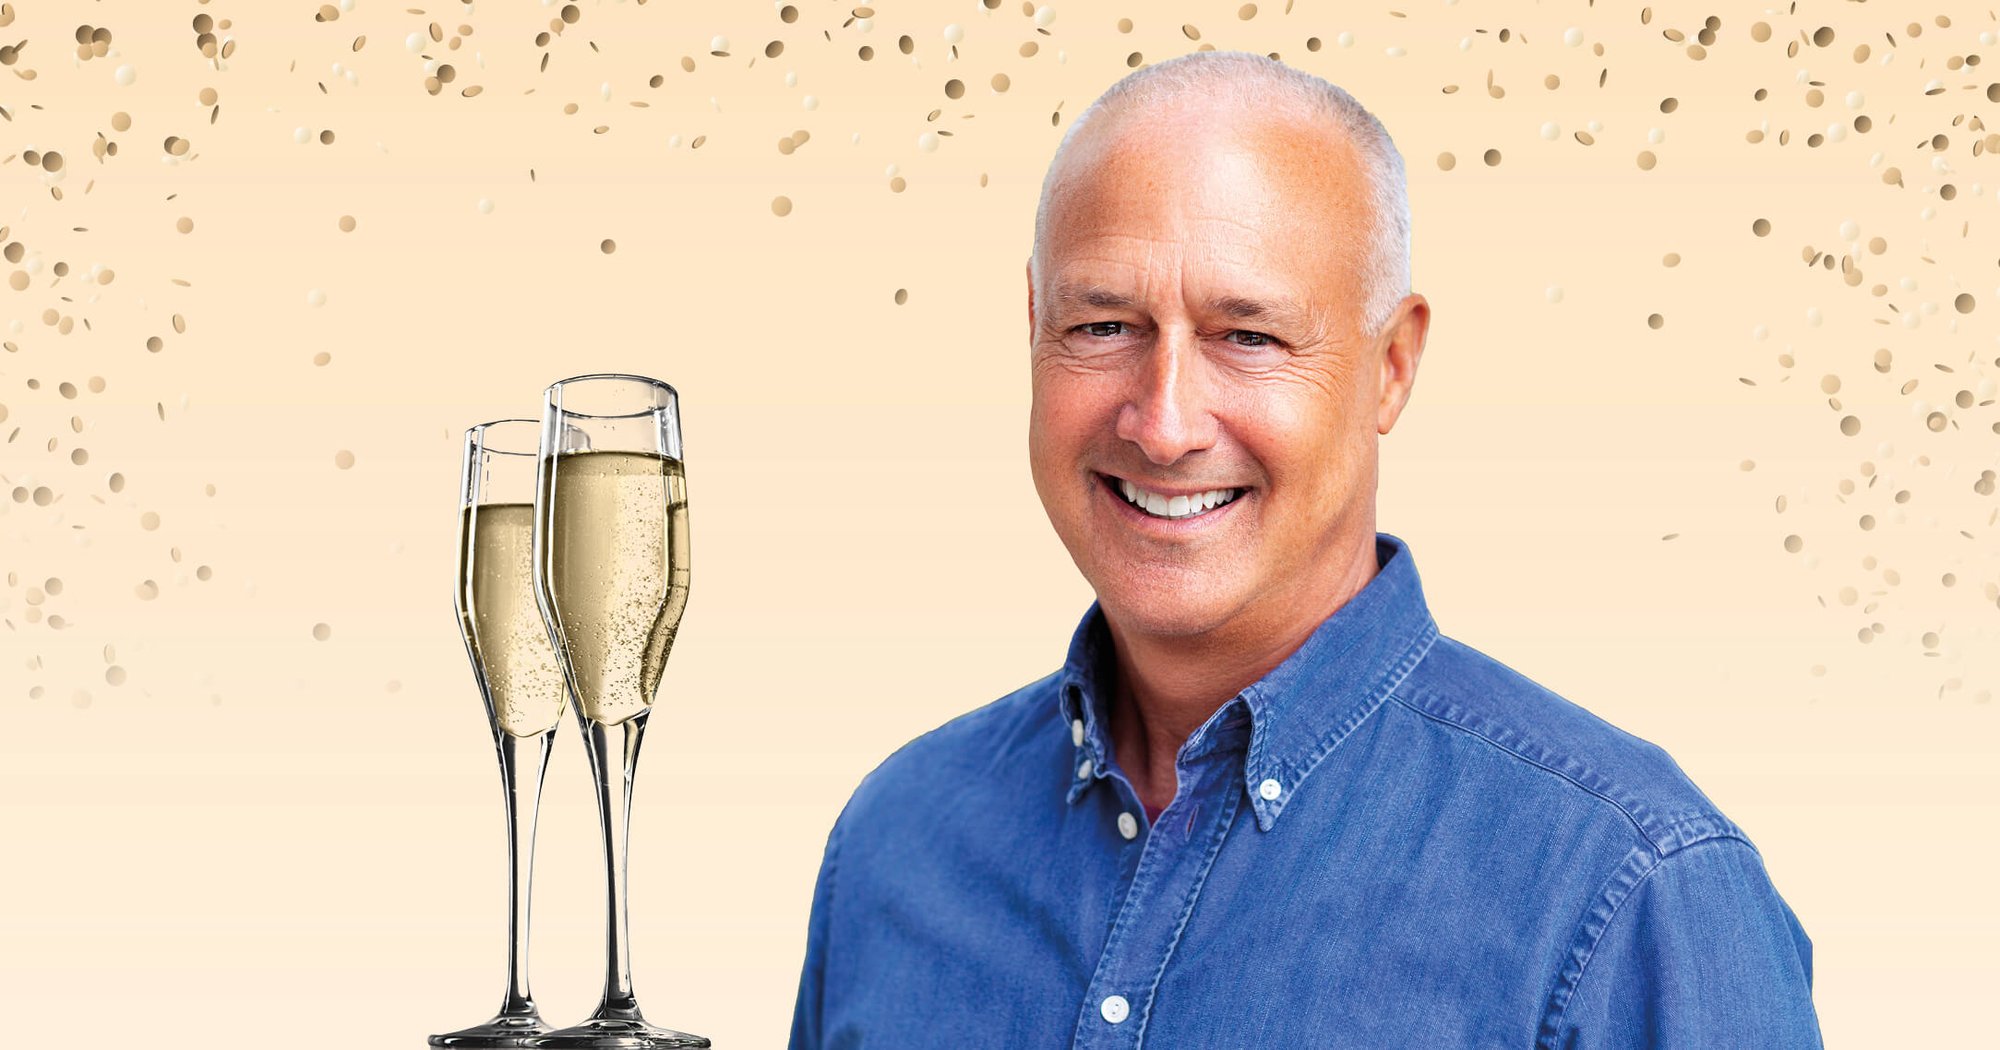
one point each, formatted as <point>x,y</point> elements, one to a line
<point>1165,883</point>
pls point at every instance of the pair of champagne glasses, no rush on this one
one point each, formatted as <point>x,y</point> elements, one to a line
<point>573,572</point>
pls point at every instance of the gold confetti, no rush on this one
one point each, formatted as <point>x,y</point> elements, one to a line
<point>781,206</point>
<point>608,246</point>
<point>322,632</point>
<point>343,459</point>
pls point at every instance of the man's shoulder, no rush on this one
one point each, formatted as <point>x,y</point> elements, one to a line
<point>979,751</point>
<point>1491,705</point>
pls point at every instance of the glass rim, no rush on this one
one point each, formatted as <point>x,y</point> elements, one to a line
<point>477,433</point>
<point>673,396</point>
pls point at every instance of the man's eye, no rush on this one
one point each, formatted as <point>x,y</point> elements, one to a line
<point>1101,324</point>
<point>1267,340</point>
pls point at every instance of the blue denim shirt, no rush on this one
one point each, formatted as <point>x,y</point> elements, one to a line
<point>1391,840</point>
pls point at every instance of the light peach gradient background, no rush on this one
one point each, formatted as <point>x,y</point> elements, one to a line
<point>262,839</point>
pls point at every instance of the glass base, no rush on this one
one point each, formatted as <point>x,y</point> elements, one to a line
<point>605,1033</point>
<point>502,1033</point>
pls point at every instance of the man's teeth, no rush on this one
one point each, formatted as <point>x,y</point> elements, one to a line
<point>1175,506</point>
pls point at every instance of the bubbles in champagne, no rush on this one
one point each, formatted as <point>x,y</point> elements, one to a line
<point>503,627</point>
<point>618,573</point>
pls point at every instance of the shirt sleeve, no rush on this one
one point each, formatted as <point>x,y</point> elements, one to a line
<point>1702,953</point>
<point>807,1015</point>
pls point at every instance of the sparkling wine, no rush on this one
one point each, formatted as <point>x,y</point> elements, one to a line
<point>617,572</point>
<point>503,626</point>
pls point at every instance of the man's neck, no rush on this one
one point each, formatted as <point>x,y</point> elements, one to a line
<point>1167,686</point>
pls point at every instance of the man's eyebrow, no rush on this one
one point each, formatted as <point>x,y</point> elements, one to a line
<point>1069,298</point>
<point>1073,297</point>
<point>1244,309</point>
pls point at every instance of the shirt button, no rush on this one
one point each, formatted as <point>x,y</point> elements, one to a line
<point>1076,732</point>
<point>1083,771</point>
<point>1128,826</point>
<point>1114,1008</point>
<point>1270,790</point>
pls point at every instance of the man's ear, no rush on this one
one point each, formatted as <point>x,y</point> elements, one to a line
<point>1031,297</point>
<point>1406,334</point>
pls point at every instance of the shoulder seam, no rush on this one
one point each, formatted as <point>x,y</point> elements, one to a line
<point>1468,730</point>
<point>1556,1016</point>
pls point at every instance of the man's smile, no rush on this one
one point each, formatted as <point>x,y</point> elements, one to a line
<point>1172,504</point>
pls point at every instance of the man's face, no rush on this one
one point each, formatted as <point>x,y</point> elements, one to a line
<point>1154,366</point>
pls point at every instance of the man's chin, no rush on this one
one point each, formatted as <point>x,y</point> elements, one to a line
<point>1167,608</point>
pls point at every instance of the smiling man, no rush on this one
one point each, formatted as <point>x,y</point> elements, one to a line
<point>1264,802</point>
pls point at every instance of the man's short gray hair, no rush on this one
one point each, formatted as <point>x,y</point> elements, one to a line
<point>1256,83</point>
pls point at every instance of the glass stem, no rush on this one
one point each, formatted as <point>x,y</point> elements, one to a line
<point>523,760</point>
<point>614,753</point>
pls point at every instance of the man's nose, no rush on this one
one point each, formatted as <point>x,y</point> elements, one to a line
<point>1167,413</point>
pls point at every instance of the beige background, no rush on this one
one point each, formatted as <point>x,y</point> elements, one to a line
<point>263,834</point>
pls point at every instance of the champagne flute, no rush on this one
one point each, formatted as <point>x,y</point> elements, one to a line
<point>516,668</point>
<point>611,578</point>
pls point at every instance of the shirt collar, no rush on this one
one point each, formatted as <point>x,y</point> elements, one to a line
<point>1302,709</point>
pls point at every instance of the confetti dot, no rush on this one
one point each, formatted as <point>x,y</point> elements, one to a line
<point>1794,544</point>
<point>902,296</point>
<point>608,246</point>
<point>1573,36</point>
<point>953,33</point>
<point>485,206</point>
<point>322,631</point>
<point>1551,130</point>
<point>1964,303</point>
<point>147,590</point>
<point>315,297</point>
<point>184,224</point>
<point>1446,162</point>
<point>1762,227</point>
<point>1493,158</point>
<point>114,675</point>
<point>126,75</point>
<point>322,359</point>
<point>1850,425</point>
<point>347,224</point>
<point>781,206</point>
<point>150,520</point>
<point>928,142</point>
<point>1670,260</point>
<point>1554,293</point>
<point>1647,160</point>
<point>343,459</point>
<point>1045,16</point>
<point>1655,321</point>
<point>203,573</point>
